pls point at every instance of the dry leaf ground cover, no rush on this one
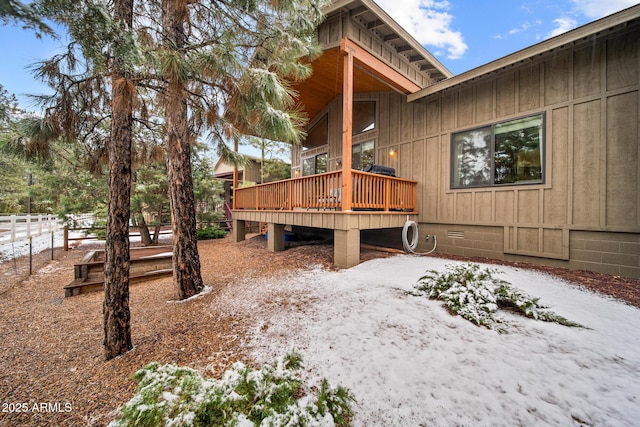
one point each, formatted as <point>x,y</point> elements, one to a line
<point>51,351</point>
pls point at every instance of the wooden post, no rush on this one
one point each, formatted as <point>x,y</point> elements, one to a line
<point>13,228</point>
<point>275,240</point>
<point>238,230</point>
<point>346,248</point>
<point>290,184</point>
<point>235,175</point>
<point>257,198</point>
<point>387,194</point>
<point>30,255</point>
<point>347,124</point>
<point>65,245</point>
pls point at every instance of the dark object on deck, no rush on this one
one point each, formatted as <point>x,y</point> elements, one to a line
<point>380,170</point>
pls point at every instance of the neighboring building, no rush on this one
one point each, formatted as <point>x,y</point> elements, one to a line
<point>247,174</point>
<point>533,157</point>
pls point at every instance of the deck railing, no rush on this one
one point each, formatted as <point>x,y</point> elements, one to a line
<point>324,191</point>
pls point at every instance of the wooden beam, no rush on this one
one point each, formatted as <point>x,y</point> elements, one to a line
<point>375,24</point>
<point>347,122</point>
<point>390,37</point>
<point>377,68</point>
<point>359,11</point>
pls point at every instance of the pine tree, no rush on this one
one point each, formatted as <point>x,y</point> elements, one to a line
<point>186,260</point>
<point>221,67</point>
<point>226,68</point>
<point>93,106</point>
<point>116,314</point>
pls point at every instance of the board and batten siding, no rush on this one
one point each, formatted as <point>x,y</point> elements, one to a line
<point>588,210</point>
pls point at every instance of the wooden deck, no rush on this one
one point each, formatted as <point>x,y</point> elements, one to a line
<point>377,202</point>
<point>369,192</point>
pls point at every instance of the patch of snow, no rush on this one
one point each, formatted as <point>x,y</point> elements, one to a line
<point>9,251</point>
<point>409,362</point>
<point>159,255</point>
<point>205,291</point>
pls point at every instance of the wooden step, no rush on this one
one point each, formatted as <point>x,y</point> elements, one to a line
<point>81,286</point>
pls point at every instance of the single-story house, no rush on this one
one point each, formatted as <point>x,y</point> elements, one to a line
<point>533,157</point>
<point>248,173</point>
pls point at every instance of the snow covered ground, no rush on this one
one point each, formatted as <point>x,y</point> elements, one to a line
<point>411,363</point>
<point>9,251</point>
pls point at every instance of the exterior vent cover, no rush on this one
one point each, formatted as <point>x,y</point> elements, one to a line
<point>455,234</point>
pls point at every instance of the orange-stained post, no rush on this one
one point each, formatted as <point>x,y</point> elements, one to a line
<point>347,124</point>
<point>235,175</point>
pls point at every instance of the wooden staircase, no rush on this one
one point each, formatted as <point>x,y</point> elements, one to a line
<point>145,264</point>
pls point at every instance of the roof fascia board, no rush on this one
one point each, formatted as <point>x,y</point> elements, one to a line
<point>532,51</point>
<point>337,5</point>
<point>382,15</point>
<point>377,68</point>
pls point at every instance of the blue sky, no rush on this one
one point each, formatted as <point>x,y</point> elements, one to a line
<point>462,34</point>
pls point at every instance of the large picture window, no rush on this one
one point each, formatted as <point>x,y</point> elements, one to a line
<point>318,135</point>
<point>500,154</point>
<point>364,116</point>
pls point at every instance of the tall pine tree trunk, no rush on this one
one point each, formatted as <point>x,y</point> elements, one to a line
<point>117,327</point>
<point>186,260</point>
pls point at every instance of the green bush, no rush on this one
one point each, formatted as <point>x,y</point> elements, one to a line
<point>476,295</point>
<point>209,233</point>
<point>99,229</point>
<point>272,396</point>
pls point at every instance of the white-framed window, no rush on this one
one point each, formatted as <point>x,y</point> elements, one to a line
<point>505,153</point>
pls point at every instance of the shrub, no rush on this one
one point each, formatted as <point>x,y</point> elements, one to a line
<point>476,295</point>
<point>209,233</point>
<point>272,396</point>
<point>99,229</point>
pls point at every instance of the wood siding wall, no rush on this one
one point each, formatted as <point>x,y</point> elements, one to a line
<point>590,95</point>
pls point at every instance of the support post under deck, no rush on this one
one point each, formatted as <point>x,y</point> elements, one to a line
<point>346,248</point>
<point>239,230</point>
<point>275,239</point>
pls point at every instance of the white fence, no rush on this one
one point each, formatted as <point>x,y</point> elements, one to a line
<point>14,228</point>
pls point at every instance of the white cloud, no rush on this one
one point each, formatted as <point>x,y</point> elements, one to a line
<point>562,25</point>
<point>429,22</point>
<point>523,27</point>
<point>513,31</point>
<point>596,9</point>
<point>591,9</point>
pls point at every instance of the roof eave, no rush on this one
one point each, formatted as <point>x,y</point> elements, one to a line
<point>548,45</point>
<point>388,20</point>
